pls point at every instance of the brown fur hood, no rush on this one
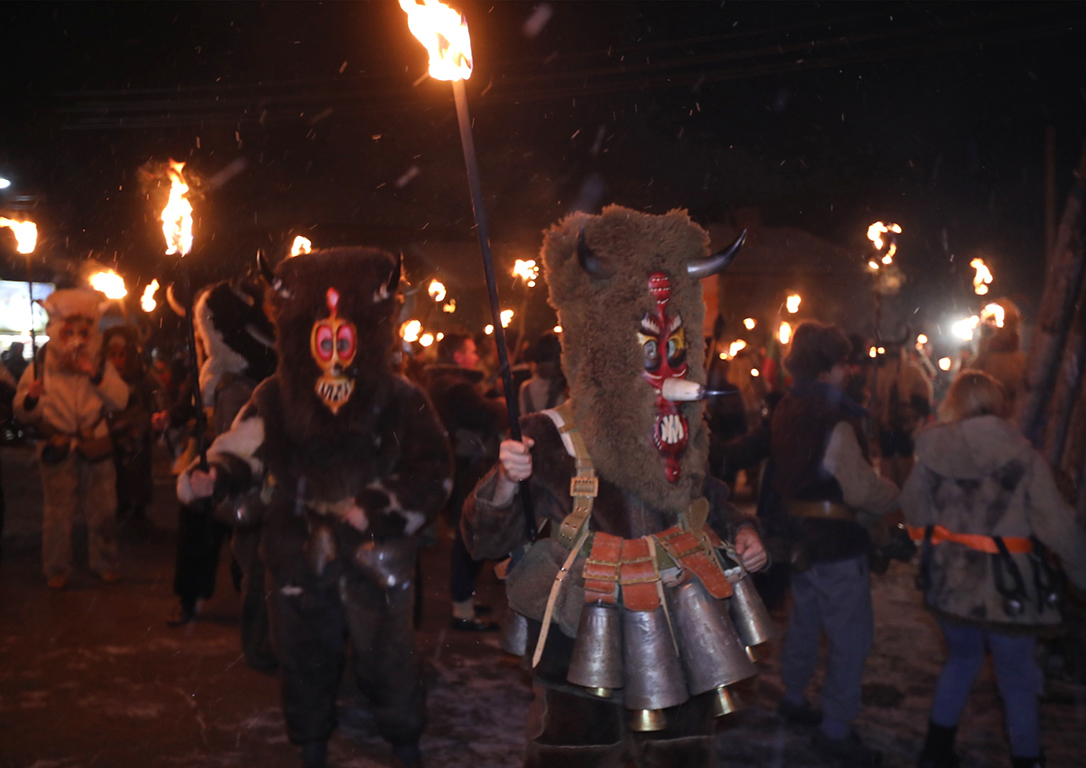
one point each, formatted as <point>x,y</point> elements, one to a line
<point>601,356</point>
<point>973,448</point>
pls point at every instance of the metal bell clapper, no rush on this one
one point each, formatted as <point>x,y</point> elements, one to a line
<point>712,653</point>
<point>514,636</point>
<point>724,702</point>
<point>653,675</point>
<point>596,663</point>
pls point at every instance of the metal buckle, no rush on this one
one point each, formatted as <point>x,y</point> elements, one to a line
<point>587,487</point>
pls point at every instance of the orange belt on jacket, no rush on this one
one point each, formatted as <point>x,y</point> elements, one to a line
<point>1015,544</point>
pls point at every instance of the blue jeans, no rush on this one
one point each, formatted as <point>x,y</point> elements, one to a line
<point>835,598</point>
<point>1017,674</point>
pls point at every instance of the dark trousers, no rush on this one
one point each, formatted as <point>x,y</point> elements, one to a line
<point>312,623</point>
<point>464,570</point>
<point>199,538</point>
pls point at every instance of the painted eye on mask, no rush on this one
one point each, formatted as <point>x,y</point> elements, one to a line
<point>324,342</point>
<point>651,351</point>
<point>676,350</point>
<point>345,342</point>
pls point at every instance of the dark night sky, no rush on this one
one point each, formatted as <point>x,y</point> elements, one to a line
<point>825,116</point>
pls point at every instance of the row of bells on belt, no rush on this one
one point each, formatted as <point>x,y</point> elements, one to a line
<point>657,668</point>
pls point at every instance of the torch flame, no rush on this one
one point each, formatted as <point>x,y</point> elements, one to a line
<point>785,333</point>
<point>526,270</point>
<point>109,283</point>
<point>945,363</point>
<point>410,331</point>
<point>426,339</point>
<point>993,314</point>
<point>177,215</point>
<point>301,245</point>
<point>444,33</point>
<point>436,290</point>
<point>26,234</point>
<point>963,329</point>
<point>792,303</point>
<point>877,230</point>
<point>983,278</point>
<point>147,300</point>
<point>506,317</point>
<point>749,323</point>
<point>449,307</point>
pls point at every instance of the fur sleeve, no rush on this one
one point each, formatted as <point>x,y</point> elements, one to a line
<point>408,497</point>
<point>235,455</point>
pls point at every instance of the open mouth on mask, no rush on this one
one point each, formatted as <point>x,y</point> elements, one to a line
<point>334,391</point>
<point>670,430</point>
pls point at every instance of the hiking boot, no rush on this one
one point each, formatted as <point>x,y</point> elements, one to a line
<point>798,714</point>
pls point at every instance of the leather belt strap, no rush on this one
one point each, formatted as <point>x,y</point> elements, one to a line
<point>1015,544</point>
<point>639,575</point>
<point>819,510</point>
<point>601,569</point>
<point>693,551</point>
<point>584,486</point>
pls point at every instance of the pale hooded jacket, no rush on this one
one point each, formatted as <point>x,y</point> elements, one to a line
<point>980,476</point>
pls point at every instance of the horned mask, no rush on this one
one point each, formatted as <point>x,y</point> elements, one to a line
<point>627,288</point>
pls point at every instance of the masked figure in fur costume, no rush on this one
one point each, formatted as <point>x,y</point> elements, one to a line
<point>67,393</point>
<point>625,600</point>
<point>343,462</point>
<point>237,341</point>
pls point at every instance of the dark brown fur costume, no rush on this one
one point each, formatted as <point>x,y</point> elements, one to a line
<point>602,359</point>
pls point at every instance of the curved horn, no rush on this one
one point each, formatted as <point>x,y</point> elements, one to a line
<point>590,262</point>
<point>397,272</point>
<point>718,262</point>
<point>175,305</point>
<point>269,274</point>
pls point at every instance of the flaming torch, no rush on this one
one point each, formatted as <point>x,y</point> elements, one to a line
<point>26,239</point>
<point>301,245</point>
<point>983,277</point>
<point>177,229</point>
<point>147,300</point>
<point>109,283</point>
<point>444,33</point>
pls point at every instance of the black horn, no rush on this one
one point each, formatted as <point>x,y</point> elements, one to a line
<point>718,262</point>
<point>269,274</point>
<point>590,262</point>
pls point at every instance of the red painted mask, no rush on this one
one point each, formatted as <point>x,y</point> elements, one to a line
<point>663,343</point>
<point>333,344</point>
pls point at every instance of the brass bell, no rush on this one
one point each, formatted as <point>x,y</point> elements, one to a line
<point>596,662</point>
<point>647,720</point>
<point>749,614</point>
<point>653,675</point>
<point>712,654</point>
<point>724,702</point>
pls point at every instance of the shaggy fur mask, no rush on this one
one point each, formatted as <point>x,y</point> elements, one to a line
<point>606,322</point>
<point>73,327</point>
<point>354,286</point>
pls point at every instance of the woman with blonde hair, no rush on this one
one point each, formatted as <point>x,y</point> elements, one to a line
<point>982,501</point>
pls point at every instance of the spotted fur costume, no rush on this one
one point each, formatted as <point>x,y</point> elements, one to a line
<point>343,462</point>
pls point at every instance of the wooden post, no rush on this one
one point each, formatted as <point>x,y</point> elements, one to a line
<point>1066,397</point>
<point>1062,284</point>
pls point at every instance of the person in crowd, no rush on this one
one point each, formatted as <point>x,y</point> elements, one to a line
<point>131,428</point>
<point>619,473</point>
<point>901,401</point>
<point>985,505</point>
<point>474,425</point>
<point>341,462</point>
<point>829,489</point>
<point>999,352</point>
<point>14,359</point>
<point>67,394</point>
<point>237,342</point>
<point>547,387</point>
